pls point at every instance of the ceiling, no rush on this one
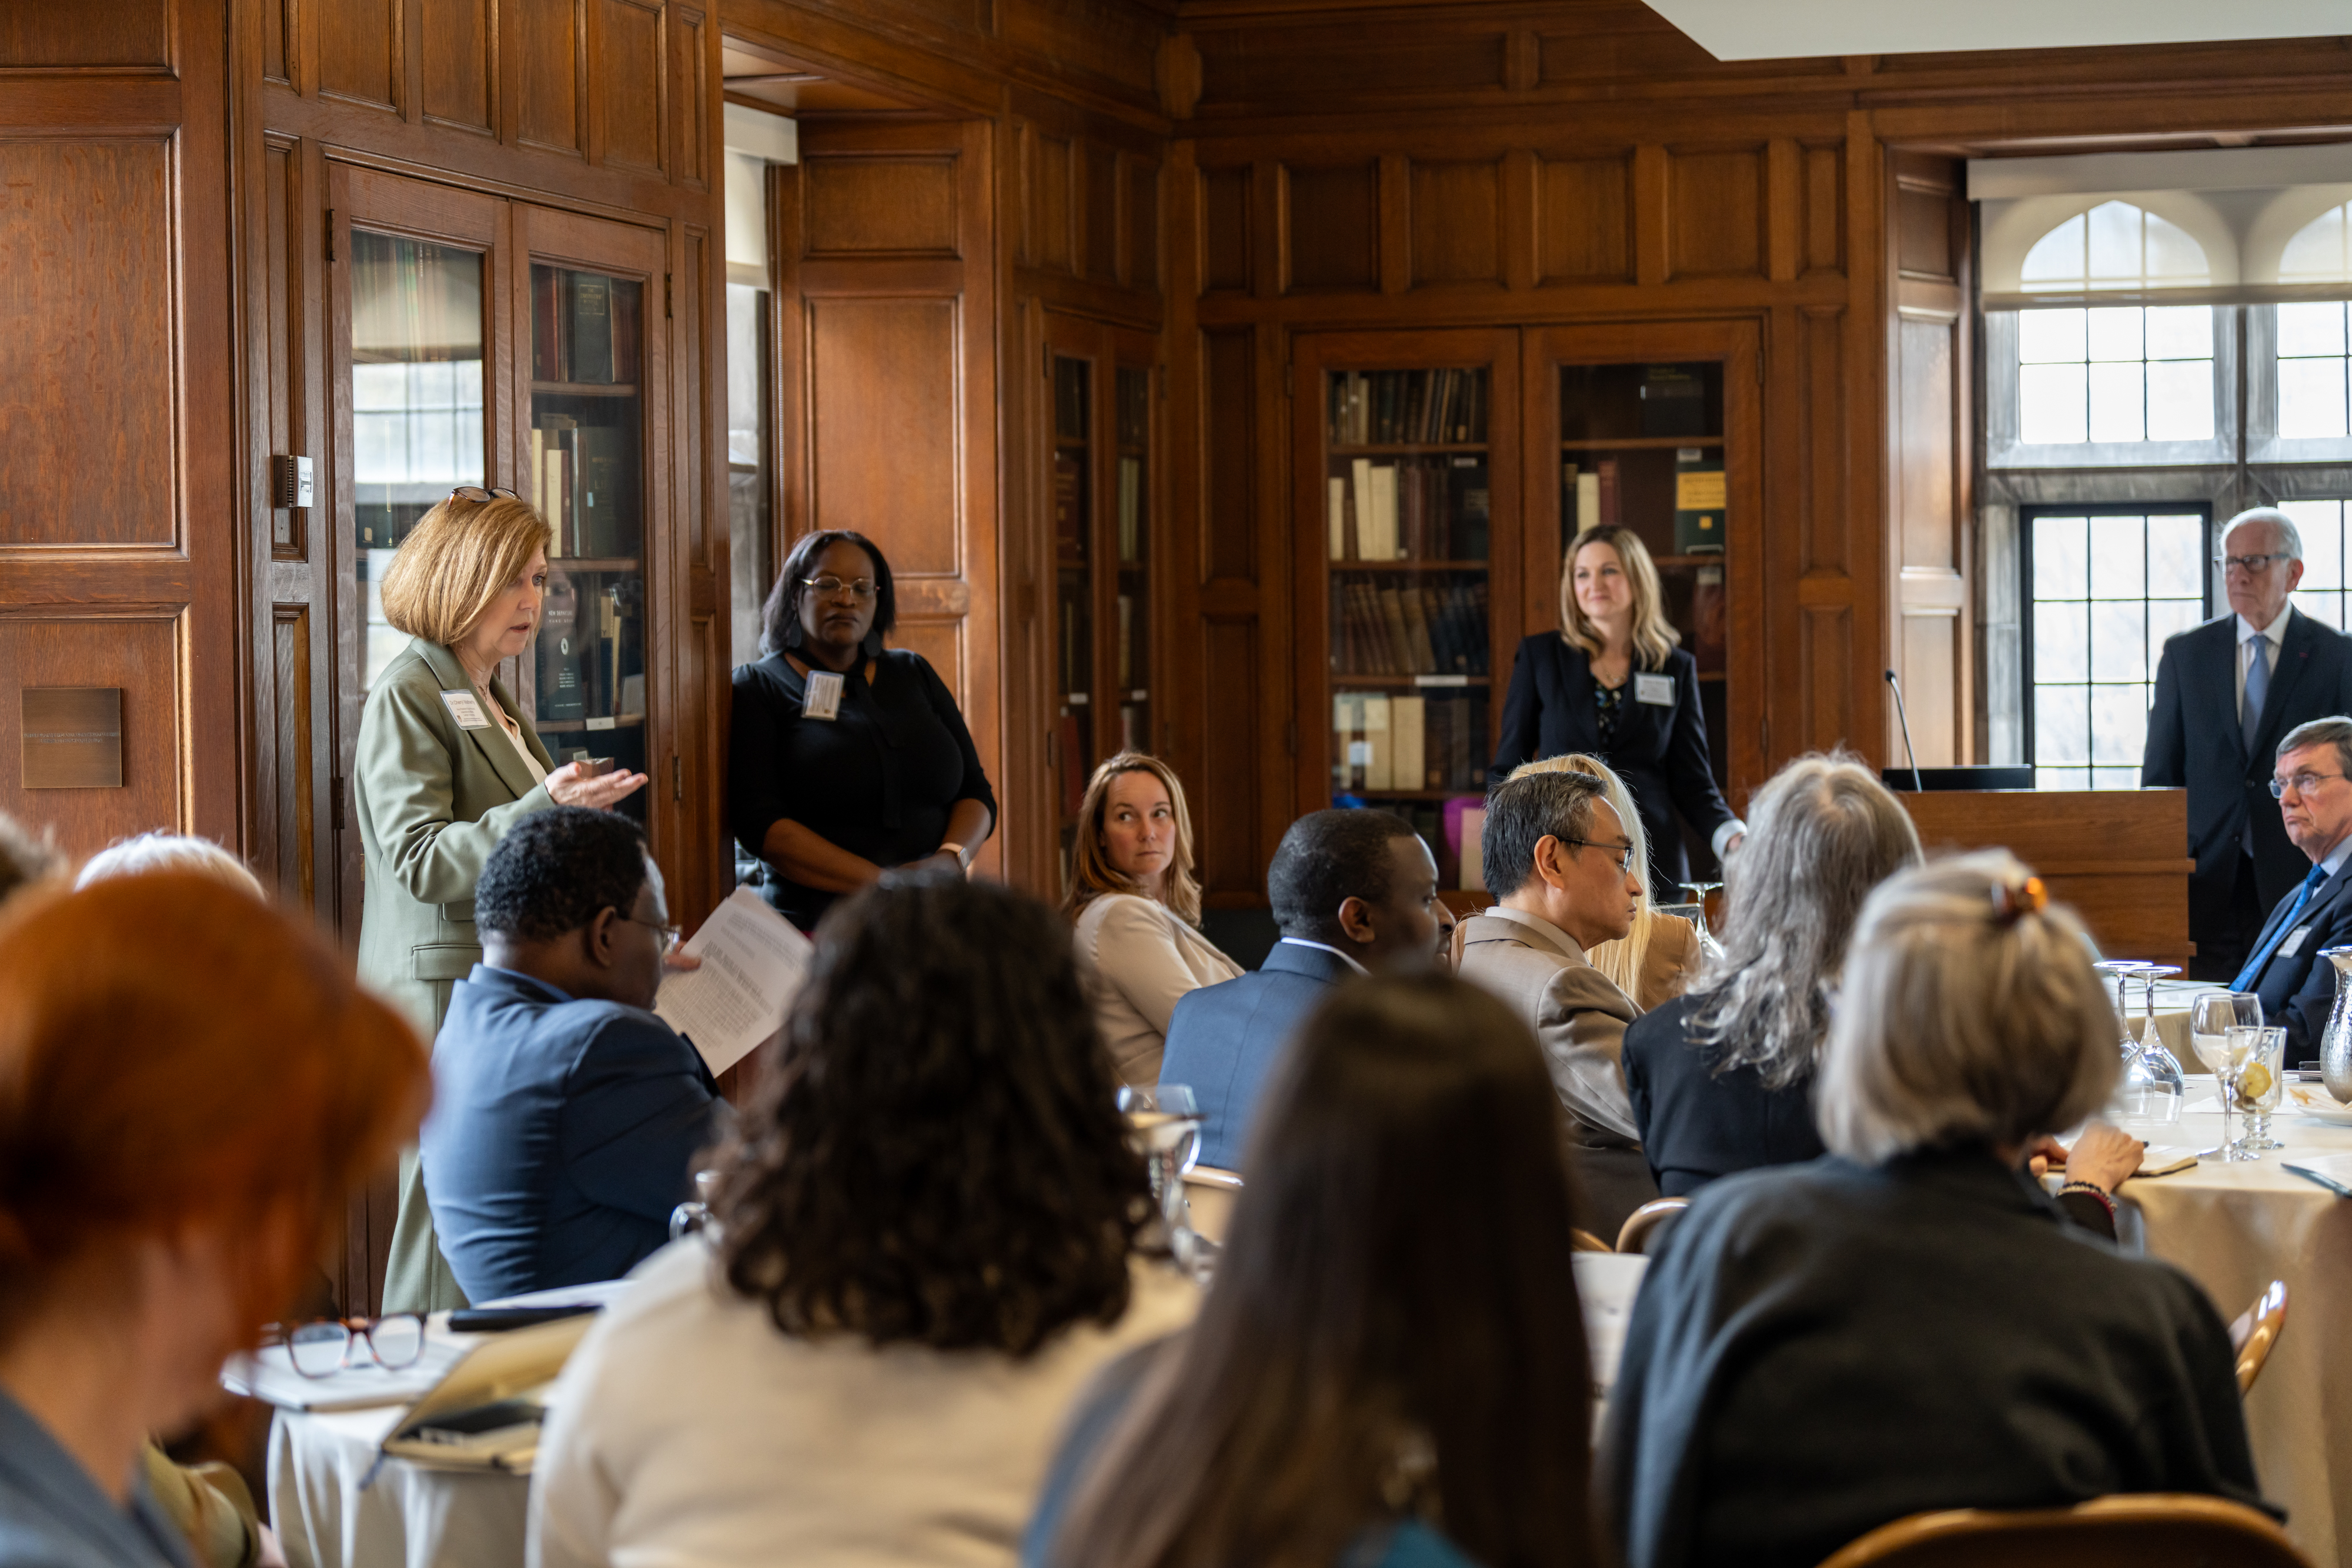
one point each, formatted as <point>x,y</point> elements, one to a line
<point>784,88</point>
<point>1761,31</point>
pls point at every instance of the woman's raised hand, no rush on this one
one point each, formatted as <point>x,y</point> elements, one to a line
<point>597,794</point>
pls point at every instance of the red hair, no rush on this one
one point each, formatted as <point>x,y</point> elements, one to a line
<point>174,1052</point>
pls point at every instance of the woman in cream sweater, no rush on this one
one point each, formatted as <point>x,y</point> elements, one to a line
<point>1137,907</point>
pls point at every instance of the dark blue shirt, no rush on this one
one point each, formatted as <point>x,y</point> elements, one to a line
<point>53,1514</point>
<point>563,1133</point>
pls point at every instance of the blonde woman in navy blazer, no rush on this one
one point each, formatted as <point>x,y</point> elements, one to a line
<point>1613,685</point>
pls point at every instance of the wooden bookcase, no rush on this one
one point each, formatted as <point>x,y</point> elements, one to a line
<point>1102,471</point>
<point>1417,605</point>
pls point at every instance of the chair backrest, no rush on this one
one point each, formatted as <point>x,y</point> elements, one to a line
<point>2256,1330</point>
<point>1641,1226</point>
<point>1210,1194</point>
<point>2154,1530</point>
<point>1585,1241</point>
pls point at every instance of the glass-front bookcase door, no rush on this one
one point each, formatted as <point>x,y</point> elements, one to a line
<point>1413,566</point>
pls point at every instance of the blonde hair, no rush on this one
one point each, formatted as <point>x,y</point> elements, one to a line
<point>149,853</point>
<point>1653,636</point>
<point>1969,1014</point>
<point>460,555</point>
<point>1622,959</point>
<point>1091,873</point>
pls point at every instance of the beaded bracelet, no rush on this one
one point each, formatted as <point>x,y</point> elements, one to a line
<point>2096,1191</point>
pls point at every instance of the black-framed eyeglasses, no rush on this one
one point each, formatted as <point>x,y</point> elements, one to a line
<point>480,494</point>
<point>2250,563</point>
<point>1621,853</point>
<point>860,589</point>
<point>323,1348</point>
<point>671,934</point>
<point>2301,783</point>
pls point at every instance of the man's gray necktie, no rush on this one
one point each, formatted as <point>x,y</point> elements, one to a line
<point>2258,686</point>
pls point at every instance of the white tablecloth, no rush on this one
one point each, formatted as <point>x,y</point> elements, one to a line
<point>2234,1229</point>
<point>408,1517</point>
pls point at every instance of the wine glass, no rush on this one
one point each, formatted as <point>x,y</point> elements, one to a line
<point>2121,971</point>
<point>1166,1124</point>
<point>2154,1087</point>
<point>2211,1017</point>
<point>1699,892</point>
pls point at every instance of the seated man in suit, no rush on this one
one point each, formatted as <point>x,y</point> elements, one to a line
<point>1559,864</point>
<point>2225,693</point>
<point>1352,891</point>
<point>567,1116</point>
<point>2315,805</point>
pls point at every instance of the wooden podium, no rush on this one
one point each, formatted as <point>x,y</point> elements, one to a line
<point>2116,856</point>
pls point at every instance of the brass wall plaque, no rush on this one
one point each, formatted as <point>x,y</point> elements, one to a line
<point>73,737</point>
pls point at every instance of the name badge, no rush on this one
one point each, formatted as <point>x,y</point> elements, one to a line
<point>466,709</point>
<point>1658,690</point>
<point>822,698</point>
<point>2294,942</point>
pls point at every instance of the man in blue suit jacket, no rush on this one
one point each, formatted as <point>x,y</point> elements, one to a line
<point>567,1116</point>
<point>2316,808</point>
<point>2216,720</point>
<point>1352,891</point>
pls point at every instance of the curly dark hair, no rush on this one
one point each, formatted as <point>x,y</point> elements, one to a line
<point>556,870</point>
<point>936,1154</point>
<point>779,617</point>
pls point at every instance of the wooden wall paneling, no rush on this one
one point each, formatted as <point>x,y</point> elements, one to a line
<point>276,17</point>
<point>1863,378</point>
<point>1098,206</point>
<point>294,756</point>
<point>124,37</point>
<point>1824,198</point>
<point>1584,219</point>
<point>459,64</point>
<point>1930,406</point>
<point>893,424</point>
<point>1053,242</point>
<point>1823,570</point>
<point>547,49</point>
<point>694,90</point>
<point>143,652</point>
<point>362,51</point>
<point>628,85</point>
<point>1139,264</point>
<point>1715,212</point>
<point>1458,222</point>
<point>1224,204</point>
<point>1331,226</point>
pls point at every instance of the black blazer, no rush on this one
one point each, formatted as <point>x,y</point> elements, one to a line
<point>1821,1349</point>
<point>2298,988</point>
<point>2194,741</point>
<point>1695,1124</point>
<point>1660,750</point>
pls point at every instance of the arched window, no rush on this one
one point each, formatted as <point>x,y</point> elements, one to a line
<point>2121,373</point>
<point>2314,371</point>
<point>2321,251</point>
<point>2114,246</point>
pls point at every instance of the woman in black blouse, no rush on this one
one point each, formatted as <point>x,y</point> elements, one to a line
<point>846,758</point>
<point>1613,683</point>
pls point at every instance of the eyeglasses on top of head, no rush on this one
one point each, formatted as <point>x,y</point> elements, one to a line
<point>861,589</point>
<point>2301,783</point>
<point>479,494</point>
<point>1621,853</point>
<point>323,1348</point>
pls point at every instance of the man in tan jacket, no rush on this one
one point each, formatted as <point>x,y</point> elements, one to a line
<point>1558,864</point>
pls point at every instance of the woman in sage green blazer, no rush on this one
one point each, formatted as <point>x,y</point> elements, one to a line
<point>447,762</point>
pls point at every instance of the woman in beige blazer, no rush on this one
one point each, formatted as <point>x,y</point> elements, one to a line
<point>447,762</point>
<point>1137,907</point>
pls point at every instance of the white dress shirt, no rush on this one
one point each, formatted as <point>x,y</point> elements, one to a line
<point>2272,636</point>
<point>1326,947</point>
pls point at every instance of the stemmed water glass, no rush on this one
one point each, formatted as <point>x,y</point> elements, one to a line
<point>2211,1017</point>
<point>1699,892</point>
<point>2257,1078</point>
<point>2153,1085</point>
<point>2121,971</point>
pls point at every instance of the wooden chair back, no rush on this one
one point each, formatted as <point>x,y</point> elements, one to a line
<point>2256,1330</point>
<point>1210,1194</point>
<point>1641,1226</point>
<point>2154,1530</point>
<point>1585,1241</point>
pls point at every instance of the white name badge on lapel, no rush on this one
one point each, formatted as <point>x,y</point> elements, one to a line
<point>466,709</point>
<point>1658,690</point>
<point>2294,942</point>
<point>822,698</point>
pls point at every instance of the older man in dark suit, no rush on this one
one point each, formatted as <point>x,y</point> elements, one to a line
<point>2225,693</point>
<point>1352,891</point>
<point>2316,807</point>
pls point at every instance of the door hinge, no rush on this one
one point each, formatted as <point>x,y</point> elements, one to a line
<point>666,306</point>
<point>335,802</point>
<point>677,777</point>
<point>331,234</point>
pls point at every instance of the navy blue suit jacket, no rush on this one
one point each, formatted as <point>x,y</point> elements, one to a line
<point>1659,751</point>
<point>2298,988</point>
<point>2194,741</point>
<point>1225,1040</point>
<point>563,1133</point>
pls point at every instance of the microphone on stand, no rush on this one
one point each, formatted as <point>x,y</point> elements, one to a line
<point>1909,750</point>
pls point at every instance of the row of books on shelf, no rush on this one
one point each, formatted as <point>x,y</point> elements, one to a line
<point>583,327</point>
<point>1384,742</point>
<point>1415,629</point>
<point>1074,662</point>
<point>1078,760</point>
<point>1592,497</point>
<point>583,483</point>
<point>1390,408</point>
<point>1070,508</point>
<point>1419,509</point>
<point>590,653</point>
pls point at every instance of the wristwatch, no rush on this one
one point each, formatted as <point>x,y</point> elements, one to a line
<point>960,853</point>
